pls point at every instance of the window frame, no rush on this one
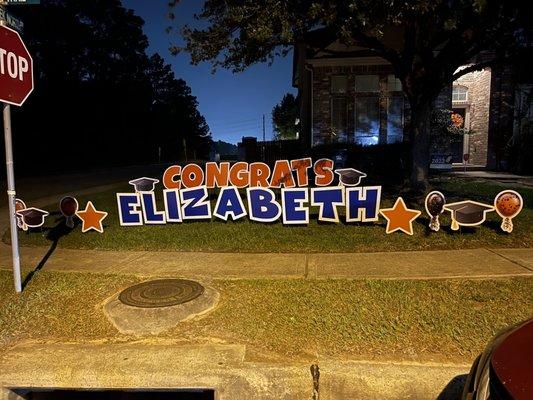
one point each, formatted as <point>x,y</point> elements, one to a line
<point>464,90</point>
<point>356,90</point>
<point>395,86</point>
<point>367,95</point>
<point>345,134</point>
<point>389,100</point>
<point>338,93</point>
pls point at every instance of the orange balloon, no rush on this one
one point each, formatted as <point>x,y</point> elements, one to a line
<point>508,204</point>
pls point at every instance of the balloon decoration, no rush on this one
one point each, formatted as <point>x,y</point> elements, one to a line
<point>19,206</point>
<point>69,207</point>
<point>508,204</point>
<point>435,202</point>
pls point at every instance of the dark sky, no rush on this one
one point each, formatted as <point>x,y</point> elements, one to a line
<point>233,104</point>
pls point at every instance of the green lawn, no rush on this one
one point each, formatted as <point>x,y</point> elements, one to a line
<point>373,319</point>
<point>248,236</point>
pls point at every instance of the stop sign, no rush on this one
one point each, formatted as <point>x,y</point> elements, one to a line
<point>16,68</point>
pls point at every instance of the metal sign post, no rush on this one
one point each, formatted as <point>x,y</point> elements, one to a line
<point>11,195</point>
<point>16,84</point>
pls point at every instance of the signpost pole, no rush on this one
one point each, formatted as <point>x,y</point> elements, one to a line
<point>13,91</point>
<point>11,195</point>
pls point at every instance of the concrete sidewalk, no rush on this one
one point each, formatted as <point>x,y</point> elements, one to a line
<point>502,178</point>
<point>476,263</point>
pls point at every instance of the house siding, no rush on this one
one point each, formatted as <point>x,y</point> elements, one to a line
<point>478,103</point>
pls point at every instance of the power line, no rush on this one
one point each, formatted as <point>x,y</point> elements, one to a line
<point>233,122</point>
<point>256,123</point>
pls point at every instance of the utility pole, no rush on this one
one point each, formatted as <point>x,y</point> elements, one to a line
<point>264,139</point>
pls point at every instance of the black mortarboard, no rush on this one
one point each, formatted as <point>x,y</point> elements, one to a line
<point>350,176</point>
<point>33,217</point>
<point>144,184</point>
<point>468,213</point>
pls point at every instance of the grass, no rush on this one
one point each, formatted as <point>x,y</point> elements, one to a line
<point>405,320</point>
<point>56,305</point>
<point>247,236</point>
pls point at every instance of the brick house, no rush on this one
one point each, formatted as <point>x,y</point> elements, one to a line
<point>350,95</point>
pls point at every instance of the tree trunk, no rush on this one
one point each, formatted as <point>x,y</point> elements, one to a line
<point>420,146</point>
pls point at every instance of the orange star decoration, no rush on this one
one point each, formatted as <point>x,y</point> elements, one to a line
<point>399,217</point>
<point>91,218</point>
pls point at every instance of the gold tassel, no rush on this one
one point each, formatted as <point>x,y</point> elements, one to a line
<point>455,225</point>
<point>507,225</point>
<point>434,224</point>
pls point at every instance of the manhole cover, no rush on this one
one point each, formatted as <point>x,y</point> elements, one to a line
<point>161,293</point>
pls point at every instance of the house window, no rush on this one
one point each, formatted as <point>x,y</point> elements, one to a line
<point>339,84</point>
<point>459,93</point>
<point>372,115</point>
<point>393,84</point>
<point>395,119</point>
<point>339,113</point>
<point>367,120</point>
<point>366,83</point>
<point>367,109</point>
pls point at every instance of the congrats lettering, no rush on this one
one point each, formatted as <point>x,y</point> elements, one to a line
<point>233,191</point>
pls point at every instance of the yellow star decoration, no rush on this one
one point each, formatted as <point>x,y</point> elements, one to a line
<point>399,217</point>
<point>91,218</point>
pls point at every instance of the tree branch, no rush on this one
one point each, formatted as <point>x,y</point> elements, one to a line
<point>475,67</point>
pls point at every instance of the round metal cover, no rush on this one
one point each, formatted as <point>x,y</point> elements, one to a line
<point>161,293</point>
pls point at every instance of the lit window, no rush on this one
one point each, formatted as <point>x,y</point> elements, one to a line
<point>394,119</point>
<point>339,84</point>
<point>339,119</point>
<point>367,83</point>
<point>393,84</point>
<point>367,120</point>
<point>459,93</point>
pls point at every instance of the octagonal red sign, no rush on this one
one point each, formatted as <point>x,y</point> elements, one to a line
<point>16,68</point>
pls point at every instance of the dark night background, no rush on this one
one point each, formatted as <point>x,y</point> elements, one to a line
<point>105,95</point>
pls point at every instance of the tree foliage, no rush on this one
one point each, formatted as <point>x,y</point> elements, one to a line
<point>99,99</point>
<point>425,41</point>
<point>284,118</point>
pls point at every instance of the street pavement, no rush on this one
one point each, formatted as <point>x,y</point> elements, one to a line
<point>226,368</point>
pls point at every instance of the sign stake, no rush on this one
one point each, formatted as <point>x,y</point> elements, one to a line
<point>11,195</point>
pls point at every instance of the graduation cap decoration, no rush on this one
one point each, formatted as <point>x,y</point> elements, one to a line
<point>19,206</point>
<point>350,176</point>
<point>33,217</point>
<point>468,213</point>
<point>144,184</point>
